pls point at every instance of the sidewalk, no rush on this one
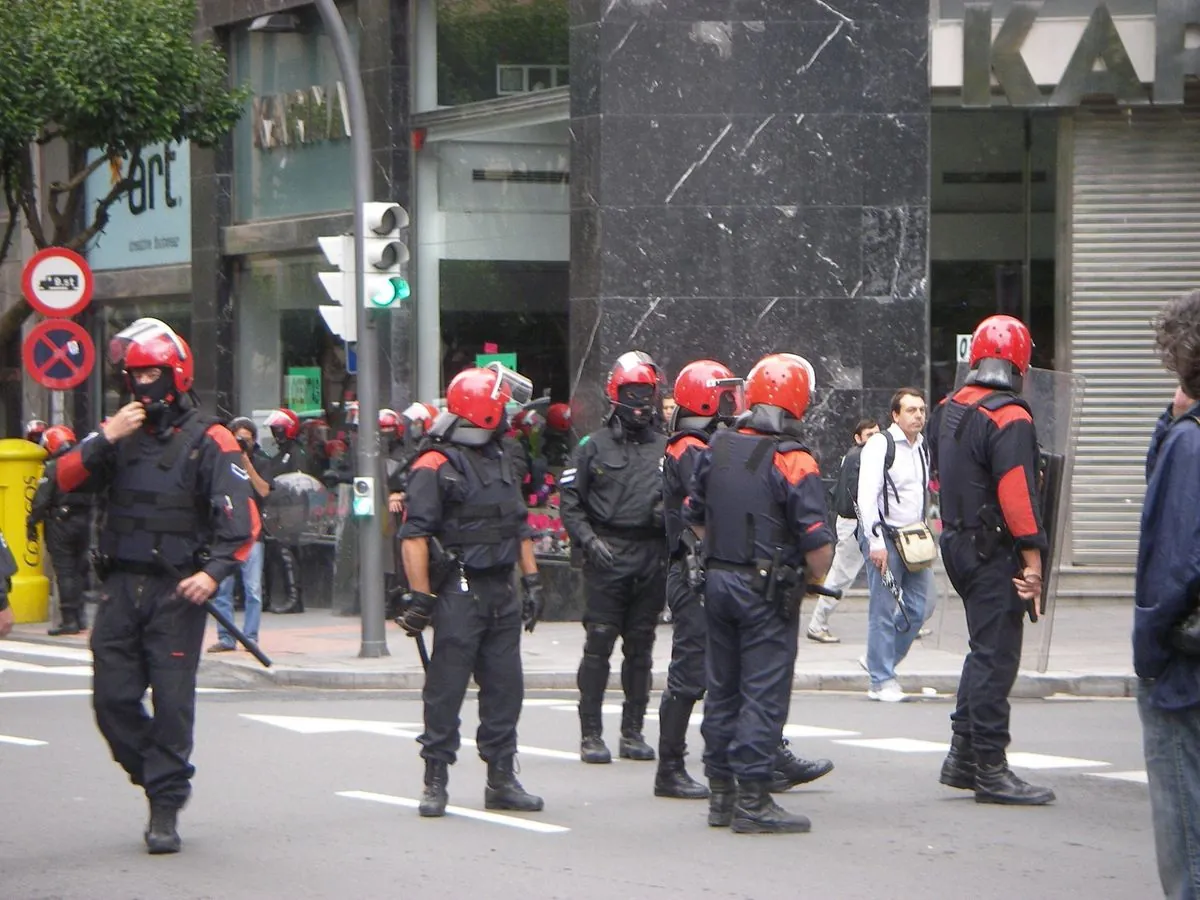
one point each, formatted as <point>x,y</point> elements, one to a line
<point>1090,654</point>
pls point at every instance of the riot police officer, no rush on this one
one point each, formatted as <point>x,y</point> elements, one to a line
<point>556,439</point>
<point>464,530</point>
<point>290,455</point>
<point>611,496</point>
<point>986,454</point>
<point>707,397</point>
<point>179,518</point>
<point>757,499</point>
<point>34,429</point>
<point>68,518</point>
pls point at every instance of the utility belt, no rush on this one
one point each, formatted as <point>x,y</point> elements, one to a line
<point>106,565</point>
<point>770,578</point>
<point>636,533</point>
<point>988,532</point>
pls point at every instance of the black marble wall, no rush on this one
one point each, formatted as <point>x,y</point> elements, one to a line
<point>751,176</point>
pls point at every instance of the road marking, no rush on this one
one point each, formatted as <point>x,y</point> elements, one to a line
<point>1042,761</point>
<point>20,741</point>
<point>813,731</point>
<point>78,654</point>
<point>897,745</point>
<point>1136,776</point>
<point>464,812</point>
<point>87,692</point>
<point>8,665</point>
<point>313,725</point>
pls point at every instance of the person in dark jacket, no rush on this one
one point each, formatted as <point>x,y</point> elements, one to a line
<point>464,531</point>
<point>611,496</point>
<point>8,568</point>
<point>178,518</point>
<point>1166,642</point>
<point>68,519</point>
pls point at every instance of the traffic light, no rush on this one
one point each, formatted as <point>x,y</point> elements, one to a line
<point>343,318</point>
<point>385,245</point>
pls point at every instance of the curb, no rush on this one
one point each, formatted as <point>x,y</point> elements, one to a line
<point>1029,685</point>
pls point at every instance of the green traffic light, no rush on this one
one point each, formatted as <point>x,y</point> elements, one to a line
<point>398,289</point>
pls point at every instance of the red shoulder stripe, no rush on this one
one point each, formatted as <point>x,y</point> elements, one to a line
<point>69,472</point>
<point>430,460</point>
<point>224,438</point>
<point>676,449</point>
<point>1006,415</point>
<point>795,465</point>
<point>1016,504</point>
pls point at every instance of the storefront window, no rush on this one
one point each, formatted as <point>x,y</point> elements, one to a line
<point>285,353</point>
<point>953,9</point>
<point>176,312</point>
<point>292,147</point>
<point>992,231</point>
<point>499,48</point>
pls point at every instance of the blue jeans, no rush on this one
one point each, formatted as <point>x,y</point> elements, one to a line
<point>252,574</point>
<point>887,643</point>
<point>1171,742</point>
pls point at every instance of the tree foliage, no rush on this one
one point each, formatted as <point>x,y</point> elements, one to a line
<point>116,75</point>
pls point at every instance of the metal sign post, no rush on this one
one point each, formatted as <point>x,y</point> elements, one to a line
<point>371,537</point>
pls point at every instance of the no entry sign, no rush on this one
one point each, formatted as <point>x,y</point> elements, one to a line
<point>59,354</point>
<point>57,282</point>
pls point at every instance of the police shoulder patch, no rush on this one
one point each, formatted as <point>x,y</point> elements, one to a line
<point>239,471</point>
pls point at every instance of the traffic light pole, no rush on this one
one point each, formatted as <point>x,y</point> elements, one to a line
<point>370,560</point>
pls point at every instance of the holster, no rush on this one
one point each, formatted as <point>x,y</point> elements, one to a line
<point>443,563</point>
<point>990,536</point>
<point>693,559</point>
<point>777,583</point>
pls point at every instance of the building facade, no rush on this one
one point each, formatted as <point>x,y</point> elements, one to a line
<point>858,181</point>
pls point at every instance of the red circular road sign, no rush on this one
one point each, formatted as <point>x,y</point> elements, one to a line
<point>57,282</point>
<point>59,354</point>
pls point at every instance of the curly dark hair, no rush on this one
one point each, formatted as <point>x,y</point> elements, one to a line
<point>1177,334</point>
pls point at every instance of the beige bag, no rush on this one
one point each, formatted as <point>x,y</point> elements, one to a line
<point>916,545</point>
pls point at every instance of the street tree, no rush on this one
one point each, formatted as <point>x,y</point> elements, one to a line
<point>110,75</point>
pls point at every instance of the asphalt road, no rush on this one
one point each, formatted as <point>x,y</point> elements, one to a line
<point>309,795</point>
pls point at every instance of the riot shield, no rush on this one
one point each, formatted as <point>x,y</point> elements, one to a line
<point>1056,399</point>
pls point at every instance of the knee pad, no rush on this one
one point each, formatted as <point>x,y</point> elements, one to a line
<point>600,640</point>
<point>638,646</point>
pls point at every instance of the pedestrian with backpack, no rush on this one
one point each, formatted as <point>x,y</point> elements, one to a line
<point>847,558</point>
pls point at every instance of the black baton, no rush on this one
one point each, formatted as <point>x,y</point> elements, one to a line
<point>223,619</point>
<point>823,591</point>
<point>422,650</point>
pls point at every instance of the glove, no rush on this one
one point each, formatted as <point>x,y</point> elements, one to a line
<point>534,603</point>
<point>599,553</point>
<point>417,613</point>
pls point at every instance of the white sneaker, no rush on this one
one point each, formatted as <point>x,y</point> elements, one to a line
<point>888,692</point>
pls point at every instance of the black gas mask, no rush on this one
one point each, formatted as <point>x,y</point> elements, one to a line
<point>158,397</point>
<point>635,405</point>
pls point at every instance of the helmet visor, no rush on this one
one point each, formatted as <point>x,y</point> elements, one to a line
<point>731,393</point>
<point>141,331</point>
<point>511,386</point>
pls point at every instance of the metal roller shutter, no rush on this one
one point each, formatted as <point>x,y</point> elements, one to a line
<point>1134,243</point>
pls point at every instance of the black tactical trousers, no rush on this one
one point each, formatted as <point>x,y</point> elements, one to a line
<point>68,539</point>
<point>685,675</point>
<point>147,637</point>
<point>751,656</point>
<point>623,601</point>
<point>995,621</point>
<point>477,632</point>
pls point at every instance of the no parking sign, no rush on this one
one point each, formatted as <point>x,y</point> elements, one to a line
<point>59,354</point>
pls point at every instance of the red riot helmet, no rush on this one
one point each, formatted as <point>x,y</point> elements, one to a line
<point>152,344</point>
<point>634,367</point>
<point>784,380</point>
<point>416,419</point>
<point>1002,337</point>
<point>34,429</point>
<point>351,410</point>
<point>56,437</point>
<point>527,421</point>
<point>284,425</point>
<point>558,417</point>
<point>480,395</point>
<point>706,388</point>
<point>390,422</point>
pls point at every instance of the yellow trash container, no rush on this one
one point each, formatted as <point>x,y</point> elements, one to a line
<point>20,469</point>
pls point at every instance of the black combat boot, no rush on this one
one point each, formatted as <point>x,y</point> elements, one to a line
<point>433,800</point>
<point>721,799</point>
<point>996,783</point>
<point>672,779</point>
<point>756,812</point>
<point>959,766</point>
<point>70,625</point>
<point>633,745</point>
<point>592,748</point>
<point>503,791</point>
<point>791,770</point>
<point>160,834</point>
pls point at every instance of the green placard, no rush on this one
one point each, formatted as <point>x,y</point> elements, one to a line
<point>508,360</point>
<point>302,390</point>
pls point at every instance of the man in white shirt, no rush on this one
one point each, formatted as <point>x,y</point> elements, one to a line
<point>893,496</point>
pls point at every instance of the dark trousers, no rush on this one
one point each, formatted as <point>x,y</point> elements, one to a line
<point>68,539</point>
<point>751,657</point>
<point>995,621</point>
<point>685,675</point>
<point>146,637</point>
<point>623,601</point>
<point>477,632</point>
